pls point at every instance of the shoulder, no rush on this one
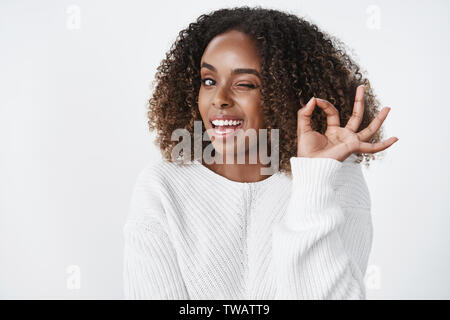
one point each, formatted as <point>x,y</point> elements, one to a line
<point>160,172</point>
<point>151,186</point>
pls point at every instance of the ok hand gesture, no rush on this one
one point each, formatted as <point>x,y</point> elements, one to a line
<point>339,143</point>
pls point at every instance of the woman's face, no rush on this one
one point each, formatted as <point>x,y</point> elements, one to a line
<point>230,89</point>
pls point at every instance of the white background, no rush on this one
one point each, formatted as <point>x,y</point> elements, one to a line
<point>73,135</point>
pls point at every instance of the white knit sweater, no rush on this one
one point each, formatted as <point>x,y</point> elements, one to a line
<point>194,234</point>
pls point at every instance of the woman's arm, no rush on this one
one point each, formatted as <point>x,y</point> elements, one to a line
<point>151,270</point>
<point>322,246</point>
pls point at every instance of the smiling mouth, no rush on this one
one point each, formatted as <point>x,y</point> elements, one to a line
<point>222,129</point>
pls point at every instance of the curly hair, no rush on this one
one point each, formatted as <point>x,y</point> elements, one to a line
<point>298,61</point>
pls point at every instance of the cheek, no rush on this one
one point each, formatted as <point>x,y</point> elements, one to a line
<point>202,103</point>
<point>252,108</point>
<point>201,107</point>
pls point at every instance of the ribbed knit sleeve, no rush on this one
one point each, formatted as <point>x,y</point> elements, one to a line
<point>321,247</point>
<point>151,270</point>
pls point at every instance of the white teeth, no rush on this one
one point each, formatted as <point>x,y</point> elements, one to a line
<point>226,122</point>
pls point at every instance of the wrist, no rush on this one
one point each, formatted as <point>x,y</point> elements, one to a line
<point>314,179</point>
<point>314,171</point>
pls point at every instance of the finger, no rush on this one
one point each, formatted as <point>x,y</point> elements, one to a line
<point>304,116</point>
<point>331,112</point>
<point>366,147</point>
<point>358,110</point>
<point>373,127</point>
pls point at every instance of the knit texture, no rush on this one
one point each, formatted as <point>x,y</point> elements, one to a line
<point>194,234</point>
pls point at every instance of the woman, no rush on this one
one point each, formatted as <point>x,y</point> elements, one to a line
<point>214,230</point>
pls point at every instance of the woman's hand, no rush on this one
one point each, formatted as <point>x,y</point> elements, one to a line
<point>339,143</point>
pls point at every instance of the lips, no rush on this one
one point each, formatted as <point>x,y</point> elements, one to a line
<point>223,132</point>
<point>225,125</point>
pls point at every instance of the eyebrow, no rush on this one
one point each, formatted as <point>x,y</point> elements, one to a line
<point>235,71</point>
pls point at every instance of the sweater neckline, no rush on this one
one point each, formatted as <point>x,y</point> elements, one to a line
<point>218,177</point>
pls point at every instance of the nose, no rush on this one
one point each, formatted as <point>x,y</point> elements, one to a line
<point>221,99</point>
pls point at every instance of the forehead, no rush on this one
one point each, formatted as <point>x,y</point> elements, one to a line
<point>232,49</point>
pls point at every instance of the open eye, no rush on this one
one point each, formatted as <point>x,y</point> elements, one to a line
<point>208,82</point>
